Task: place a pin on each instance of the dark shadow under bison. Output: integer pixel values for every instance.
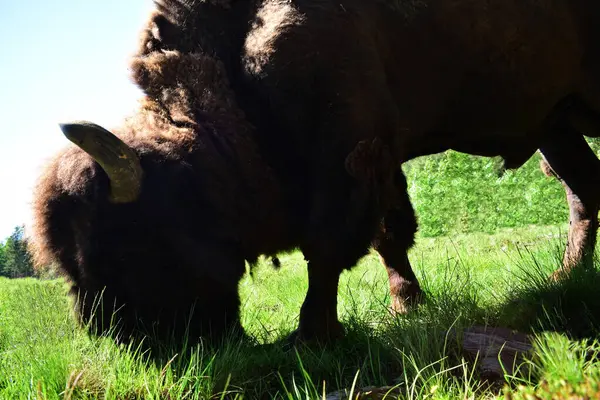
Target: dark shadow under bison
(269, 125)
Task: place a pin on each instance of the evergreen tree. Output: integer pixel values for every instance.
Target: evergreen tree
(2, 260)
(17, 260)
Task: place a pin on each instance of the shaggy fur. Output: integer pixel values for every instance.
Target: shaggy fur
(340, 94)
(206, 198)
(318, 77)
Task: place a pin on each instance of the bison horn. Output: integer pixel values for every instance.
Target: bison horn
(118, 160)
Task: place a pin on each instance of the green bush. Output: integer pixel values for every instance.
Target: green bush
(458, 193)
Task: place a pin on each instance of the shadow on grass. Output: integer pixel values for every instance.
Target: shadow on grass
(413, 351)
(276, 370)
(570, 306)
(416, 352)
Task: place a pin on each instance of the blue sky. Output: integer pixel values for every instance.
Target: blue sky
(60, 60)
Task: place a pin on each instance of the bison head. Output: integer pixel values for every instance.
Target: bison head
(129, 222)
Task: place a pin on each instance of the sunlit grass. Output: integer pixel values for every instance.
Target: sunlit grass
(470, 279)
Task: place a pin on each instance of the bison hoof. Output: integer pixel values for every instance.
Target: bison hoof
(410, 297)
(327, 333)
(557, 275)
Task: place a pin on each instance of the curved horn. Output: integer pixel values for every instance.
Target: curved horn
(118, 160)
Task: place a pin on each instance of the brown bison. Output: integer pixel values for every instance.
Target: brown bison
(321, 79)
(160, 219)
(152, 226)
(340, 94)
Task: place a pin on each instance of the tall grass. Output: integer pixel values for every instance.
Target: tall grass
(473, 272)
(469, 279)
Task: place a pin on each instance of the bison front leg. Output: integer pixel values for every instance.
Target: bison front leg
(394, 240)
(569, 158)
(344, 218)
(318, 315)
(333, 247)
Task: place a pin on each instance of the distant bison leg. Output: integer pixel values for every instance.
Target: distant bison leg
(568, 157)
(394, 240)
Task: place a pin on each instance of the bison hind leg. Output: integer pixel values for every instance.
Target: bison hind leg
(568, 157)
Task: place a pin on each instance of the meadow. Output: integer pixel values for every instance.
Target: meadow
(485, 248)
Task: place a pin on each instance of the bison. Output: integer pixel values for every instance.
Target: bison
(321, 79)
(152, 224)
(339, 94)
(157, 218)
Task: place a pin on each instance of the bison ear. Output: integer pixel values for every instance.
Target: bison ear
(118, 160)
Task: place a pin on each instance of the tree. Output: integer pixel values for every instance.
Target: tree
(2, 260)
(17, 260)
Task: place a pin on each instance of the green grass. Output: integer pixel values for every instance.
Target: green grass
(470, 279)
(502, 239)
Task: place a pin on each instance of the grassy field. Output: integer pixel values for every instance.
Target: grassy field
(486, 279)
(480, 261)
